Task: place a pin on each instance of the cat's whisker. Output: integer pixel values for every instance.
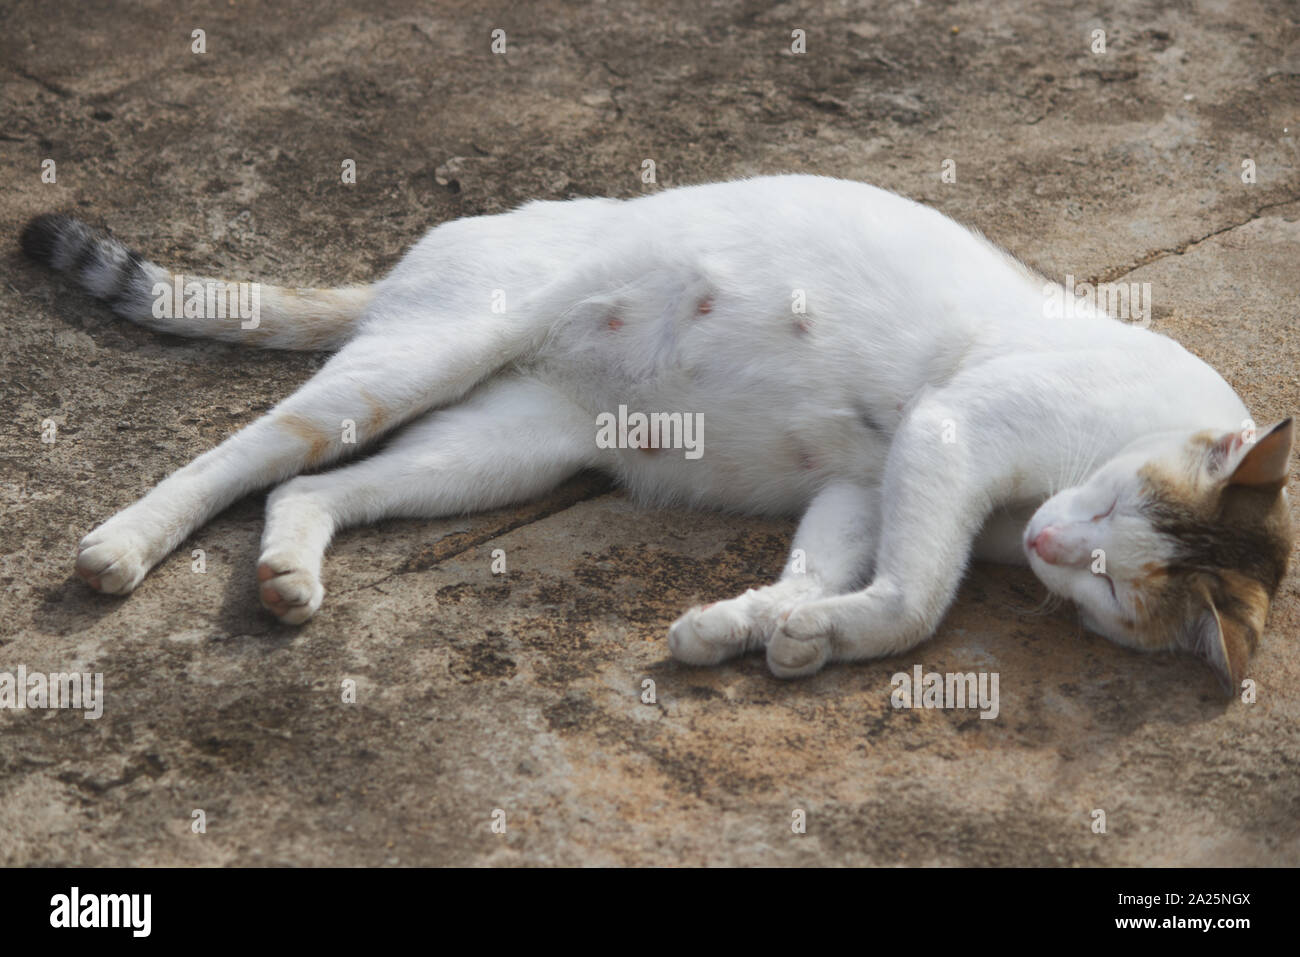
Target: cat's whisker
(1050, 603)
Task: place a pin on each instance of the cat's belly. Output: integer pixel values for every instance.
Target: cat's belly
(776, 474)
(738, 424)
(751, 446)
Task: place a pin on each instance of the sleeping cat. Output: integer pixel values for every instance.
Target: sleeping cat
(916, 393)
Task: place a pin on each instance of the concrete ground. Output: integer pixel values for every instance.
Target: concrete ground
(522, 692)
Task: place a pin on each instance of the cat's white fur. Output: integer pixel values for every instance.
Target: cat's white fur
(919, 410)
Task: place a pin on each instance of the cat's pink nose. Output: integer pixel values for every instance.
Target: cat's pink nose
(1047, 544)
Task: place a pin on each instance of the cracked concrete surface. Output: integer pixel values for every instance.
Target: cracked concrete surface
(522, 692)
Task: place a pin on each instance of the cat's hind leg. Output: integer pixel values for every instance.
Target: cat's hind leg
(833, 551)
(510, 440)
(376, 382)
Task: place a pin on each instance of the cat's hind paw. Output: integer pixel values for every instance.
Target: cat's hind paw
(113, 561)
(801, 645)
(293, 594)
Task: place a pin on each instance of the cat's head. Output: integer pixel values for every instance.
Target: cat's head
(1177, 543)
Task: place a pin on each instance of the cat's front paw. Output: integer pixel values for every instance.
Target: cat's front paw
(801, 645)
(290, 592)
(709, 634)
(114, 558)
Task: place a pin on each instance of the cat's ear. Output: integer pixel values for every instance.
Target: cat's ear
(1206, 638)
(1259, 464)
(1222, 641)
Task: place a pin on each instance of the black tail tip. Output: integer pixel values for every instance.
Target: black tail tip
(42, 236)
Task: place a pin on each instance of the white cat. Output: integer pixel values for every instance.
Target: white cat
(853, 356)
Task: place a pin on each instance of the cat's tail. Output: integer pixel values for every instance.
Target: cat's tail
(270, 317)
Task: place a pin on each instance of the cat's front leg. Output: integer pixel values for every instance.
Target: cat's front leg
(832, 553)
(944, 473)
